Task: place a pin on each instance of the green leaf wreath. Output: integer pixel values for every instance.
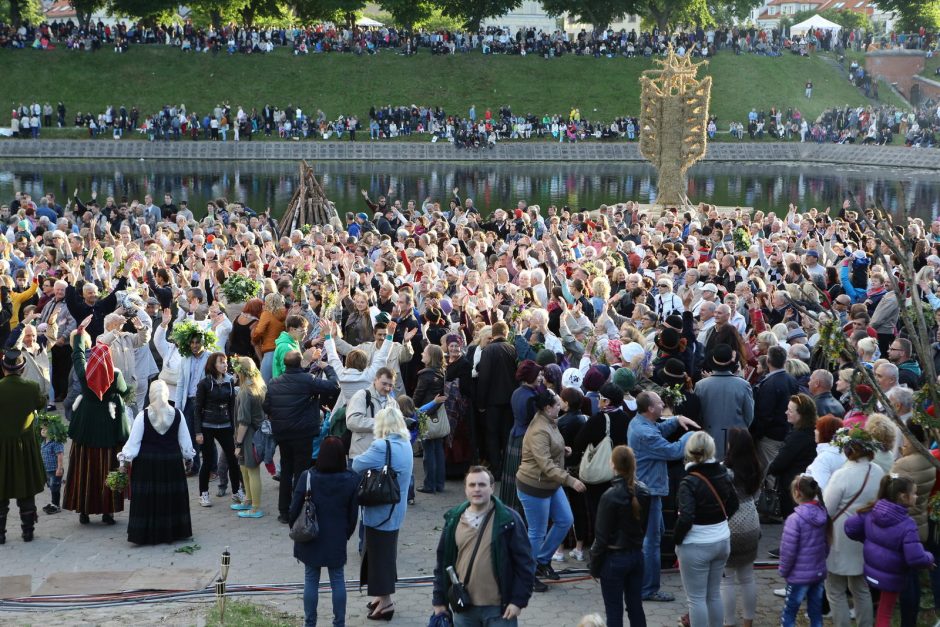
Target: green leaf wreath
(240, 289)
(185, 331)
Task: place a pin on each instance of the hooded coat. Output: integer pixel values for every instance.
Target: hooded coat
(891, 544)
(803, 545)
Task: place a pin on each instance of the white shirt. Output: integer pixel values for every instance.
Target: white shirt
(132, 446)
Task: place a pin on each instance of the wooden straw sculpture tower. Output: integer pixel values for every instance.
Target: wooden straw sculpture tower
(309, 204)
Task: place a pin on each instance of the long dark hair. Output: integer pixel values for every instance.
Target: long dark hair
(625, 466)
(741, 458)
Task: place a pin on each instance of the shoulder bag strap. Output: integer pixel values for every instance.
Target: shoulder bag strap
(476, 547)
(714, 491)
(854, 498)
(388, 453)
(307, 495)
(607, 428)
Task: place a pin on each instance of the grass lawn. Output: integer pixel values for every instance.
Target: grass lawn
(240, 613)
(150, 77)
(930, 67)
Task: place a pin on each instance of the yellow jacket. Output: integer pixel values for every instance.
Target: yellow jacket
(18, 298)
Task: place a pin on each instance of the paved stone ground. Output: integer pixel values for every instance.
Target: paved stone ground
(262, 553)
(791, 152)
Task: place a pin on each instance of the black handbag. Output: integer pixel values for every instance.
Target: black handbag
(306, 527)
(379, 486)
(768, 503)
(457, 594)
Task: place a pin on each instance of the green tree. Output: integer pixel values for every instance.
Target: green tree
(145, 10)
(598, 13)
(16, 12)
(472, 12)
(329, 10)
(84, 9)
(407, 13)
(912, 14)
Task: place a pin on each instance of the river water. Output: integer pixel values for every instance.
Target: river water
(765, 186)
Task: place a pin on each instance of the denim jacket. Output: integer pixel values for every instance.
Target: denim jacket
(653, 451)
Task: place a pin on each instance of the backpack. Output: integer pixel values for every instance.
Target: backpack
(338, 422)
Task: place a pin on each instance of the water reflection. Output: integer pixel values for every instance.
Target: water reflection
(271, 183)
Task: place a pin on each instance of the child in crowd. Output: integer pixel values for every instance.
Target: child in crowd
(52, 455)
(410, 412)
(804, 548)
(891, 543)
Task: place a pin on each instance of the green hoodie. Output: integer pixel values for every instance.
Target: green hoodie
(282, 345)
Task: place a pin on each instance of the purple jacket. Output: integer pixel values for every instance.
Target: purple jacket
(803, 545)
(892, 545)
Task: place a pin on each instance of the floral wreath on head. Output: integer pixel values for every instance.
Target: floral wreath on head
(855, 436)
(185, 331)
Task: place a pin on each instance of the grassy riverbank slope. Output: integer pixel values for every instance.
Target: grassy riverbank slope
(150, 77)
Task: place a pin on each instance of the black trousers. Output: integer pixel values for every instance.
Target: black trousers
(295, 458)
(61, 358)
(226, 439)
(498, 425)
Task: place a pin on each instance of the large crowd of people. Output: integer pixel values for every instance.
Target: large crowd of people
(596, 378)
(868, 125)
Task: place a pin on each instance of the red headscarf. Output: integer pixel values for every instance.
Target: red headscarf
(99, 371)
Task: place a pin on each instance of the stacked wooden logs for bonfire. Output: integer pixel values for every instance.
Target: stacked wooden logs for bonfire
(309, 204)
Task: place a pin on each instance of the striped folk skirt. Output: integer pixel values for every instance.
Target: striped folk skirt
(85, 490)
(507, 483)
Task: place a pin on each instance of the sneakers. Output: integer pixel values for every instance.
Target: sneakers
(240, 507)
(576, 554)
(539, 586)
(559, 556)
(222, 490)
(204, 500)
(257, 514)
(545, 571)
(660, 597)
(780, 592)
(238, 497)
(51, 509)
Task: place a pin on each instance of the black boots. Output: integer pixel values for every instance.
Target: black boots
(28, 522)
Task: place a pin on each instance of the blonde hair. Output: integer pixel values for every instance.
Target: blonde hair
(273, 302)
(388, 422)
(249, 377)
(592, 620)
(796, 367)
(699, 448)
(882, 430)
(601, 287)
(769, 338)
(868, 345)
(483, 335)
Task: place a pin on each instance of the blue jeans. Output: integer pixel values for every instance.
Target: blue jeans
(433, 464)
(267, 364)
(311, 595)
(622, 581)
(538, 511)
(813, 593)
(483, 616)
(55, 486)
(651, 556)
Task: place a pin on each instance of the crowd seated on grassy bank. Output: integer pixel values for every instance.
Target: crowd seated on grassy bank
(475, 129)
(328, 37)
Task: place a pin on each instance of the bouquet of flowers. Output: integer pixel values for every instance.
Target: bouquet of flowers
(117, 481)
(742, 239)
(305, 229)
(423, 420)
(183, 333)
(108, 254)
(300, 280)
(240, 289)
(330, 302)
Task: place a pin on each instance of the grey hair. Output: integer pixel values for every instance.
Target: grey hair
(901, 395)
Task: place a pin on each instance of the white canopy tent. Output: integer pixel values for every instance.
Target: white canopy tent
(368, 22)
(813, 24)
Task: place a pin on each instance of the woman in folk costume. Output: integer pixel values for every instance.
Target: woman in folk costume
(97, 429)
(158, 443)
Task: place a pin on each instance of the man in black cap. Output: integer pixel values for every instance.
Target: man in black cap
(727, 399)
(22, 475)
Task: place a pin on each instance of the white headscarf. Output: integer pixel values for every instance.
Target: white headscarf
(159, 412)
